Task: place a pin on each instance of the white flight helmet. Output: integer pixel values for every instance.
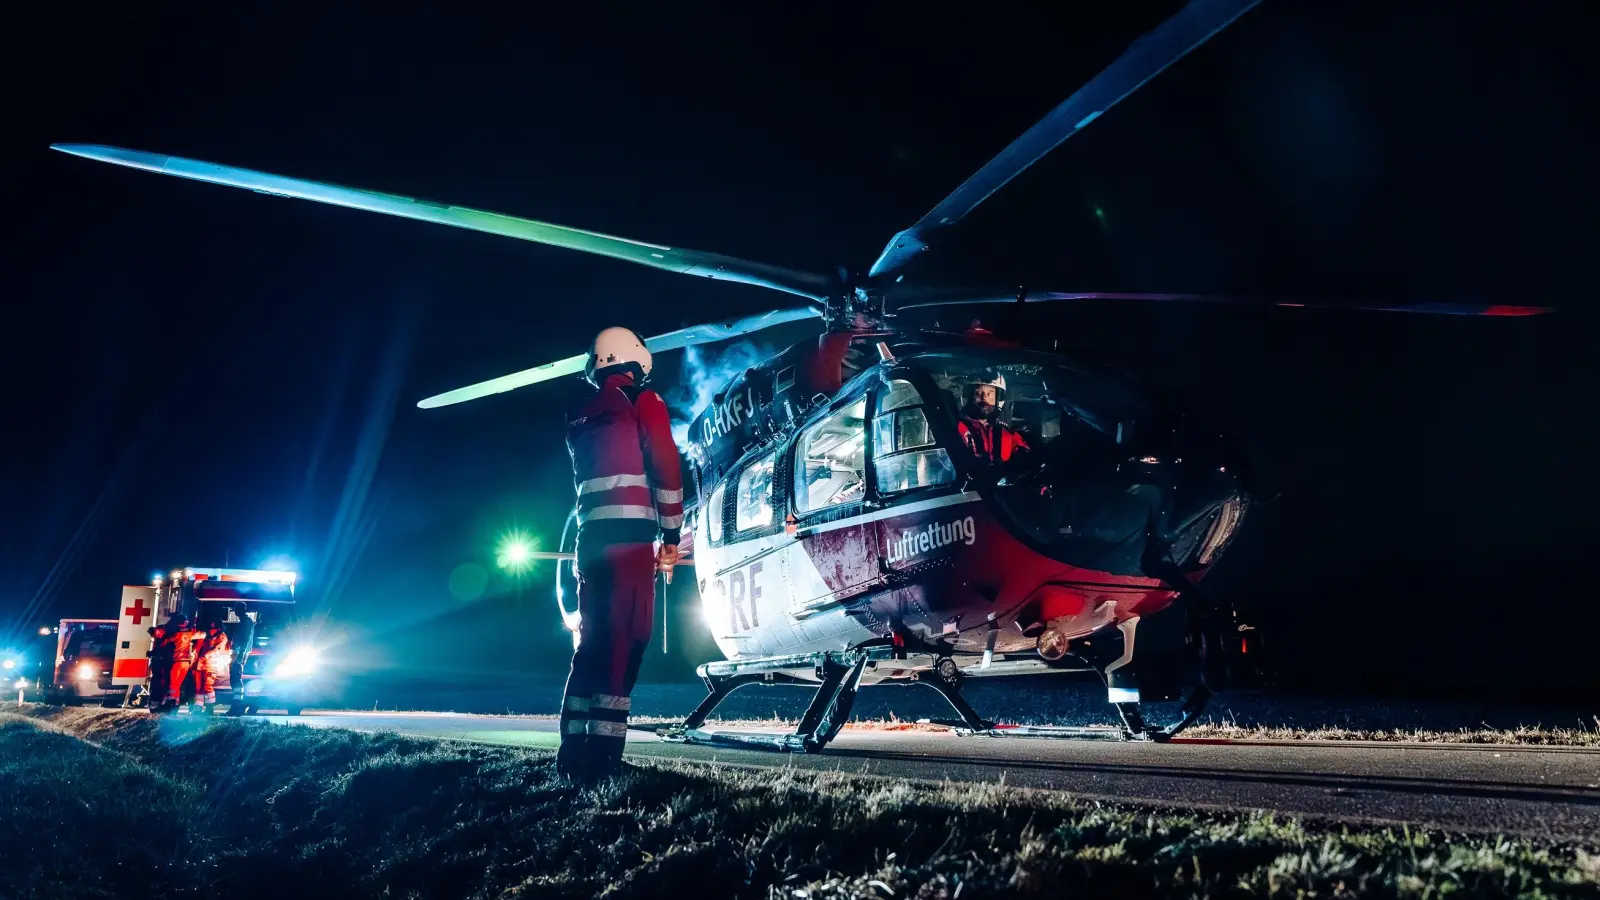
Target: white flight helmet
(990, 378)
(617, 349)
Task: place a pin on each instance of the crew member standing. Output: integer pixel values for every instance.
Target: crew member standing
(210, 660)
(989, 439)
(181, 643)
(161, 659)
(242, 640)
(630, 491)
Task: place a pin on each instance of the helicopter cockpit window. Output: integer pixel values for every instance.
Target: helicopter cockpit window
(899, 432)
(714, 515)
(900, 393)
(831, 460)
(1041, 397)
(753, 508)
(903, 430)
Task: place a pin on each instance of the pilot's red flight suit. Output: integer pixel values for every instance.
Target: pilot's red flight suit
(991, 441)
(630, 489)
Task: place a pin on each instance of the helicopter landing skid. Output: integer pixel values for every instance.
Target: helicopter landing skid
(1133, 728)
(837, 676)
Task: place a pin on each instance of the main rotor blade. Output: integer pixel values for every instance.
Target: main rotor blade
(719, 331)
(687, 262)
(661, 343)
(1148, 57)
(954, 297)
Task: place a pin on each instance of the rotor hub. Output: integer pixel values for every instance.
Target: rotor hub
(855, 308)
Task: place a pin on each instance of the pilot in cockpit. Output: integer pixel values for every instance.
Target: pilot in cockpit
(980, 427)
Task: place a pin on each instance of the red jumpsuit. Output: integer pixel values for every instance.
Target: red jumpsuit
(991, 441)
(210, 661)
(630, 490)
(183, 643)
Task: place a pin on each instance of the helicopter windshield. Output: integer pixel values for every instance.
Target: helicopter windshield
(1036, 396)
(1047, 435)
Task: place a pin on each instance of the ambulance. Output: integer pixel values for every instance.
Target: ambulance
(278, 668)
(84, 652)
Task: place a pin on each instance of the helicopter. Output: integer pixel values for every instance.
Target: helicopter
(845, 530)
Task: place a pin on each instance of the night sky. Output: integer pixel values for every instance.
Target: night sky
(199, 375)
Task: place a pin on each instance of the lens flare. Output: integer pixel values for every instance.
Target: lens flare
(515, 552)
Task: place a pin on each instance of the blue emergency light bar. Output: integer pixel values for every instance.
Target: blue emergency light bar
(253, 576)
(253, 585)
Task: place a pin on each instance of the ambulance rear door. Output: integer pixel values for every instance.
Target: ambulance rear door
(131, 665)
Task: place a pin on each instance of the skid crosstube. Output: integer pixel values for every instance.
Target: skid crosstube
(838, 680)
(837, 676)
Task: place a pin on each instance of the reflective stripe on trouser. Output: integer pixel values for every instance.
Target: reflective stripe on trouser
(616, 598)
(205, 683)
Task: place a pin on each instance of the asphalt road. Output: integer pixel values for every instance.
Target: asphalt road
(1547, 792)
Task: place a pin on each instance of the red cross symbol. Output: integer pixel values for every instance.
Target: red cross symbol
(137, 610)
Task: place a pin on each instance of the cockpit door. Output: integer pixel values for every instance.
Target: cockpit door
(906, 462)
(838, 545)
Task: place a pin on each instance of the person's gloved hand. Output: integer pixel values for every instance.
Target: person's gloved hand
(666, 558)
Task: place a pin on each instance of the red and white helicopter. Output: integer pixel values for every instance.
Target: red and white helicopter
(844, 533)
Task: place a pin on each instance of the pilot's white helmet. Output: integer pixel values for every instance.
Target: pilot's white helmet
(617, 349)
(990, 378)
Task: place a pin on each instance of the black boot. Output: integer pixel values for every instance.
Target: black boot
(572, 759)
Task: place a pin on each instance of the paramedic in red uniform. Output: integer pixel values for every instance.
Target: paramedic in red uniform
(630, 491)
(989, 439)
(211, 659)
(181, 643)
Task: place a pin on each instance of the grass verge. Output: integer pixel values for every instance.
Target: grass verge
(253, 810)
(1524, 735)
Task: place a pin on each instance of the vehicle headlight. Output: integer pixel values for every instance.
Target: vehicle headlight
(10, 664)
(297, 662)
(87, 672)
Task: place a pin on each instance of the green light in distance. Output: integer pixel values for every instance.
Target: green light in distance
(515, 552)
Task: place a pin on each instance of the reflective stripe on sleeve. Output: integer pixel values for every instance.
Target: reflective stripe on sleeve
(672, 521)
(611, 701)
(578, 704)
(579, 726)
(609, 482)
(669, 496)
(619, 511)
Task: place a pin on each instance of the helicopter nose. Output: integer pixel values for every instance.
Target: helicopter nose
(1200, 502)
